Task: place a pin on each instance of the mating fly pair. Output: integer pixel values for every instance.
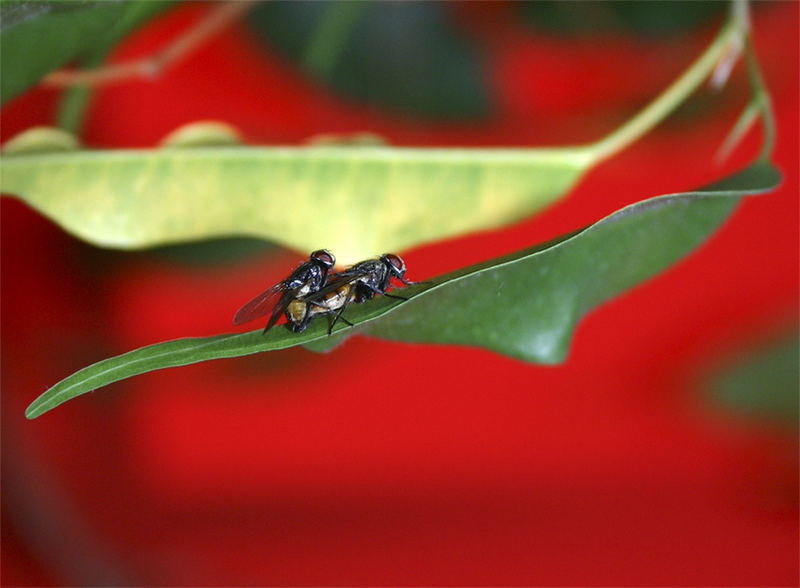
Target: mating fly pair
(308, 291)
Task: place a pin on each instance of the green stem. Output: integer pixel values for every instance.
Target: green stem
(75, 101)
(670, 99)
(761, 99)
(740, 129)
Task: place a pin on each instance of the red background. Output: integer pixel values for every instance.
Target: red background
(409, 464)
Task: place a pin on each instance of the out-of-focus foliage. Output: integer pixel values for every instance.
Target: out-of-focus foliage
(402, 55)
(654, 17)
(39, 37)
(763, 384)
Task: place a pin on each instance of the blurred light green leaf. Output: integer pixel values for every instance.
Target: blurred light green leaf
(39, 37)
(354, 200)
(357, 200)
(525, 305)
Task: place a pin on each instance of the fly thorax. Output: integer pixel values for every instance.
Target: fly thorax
(304, 289)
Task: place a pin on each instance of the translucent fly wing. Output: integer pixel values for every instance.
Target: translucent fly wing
(263, 304)
(277, 310)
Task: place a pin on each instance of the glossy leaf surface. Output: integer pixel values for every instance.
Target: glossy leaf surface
(525, 305)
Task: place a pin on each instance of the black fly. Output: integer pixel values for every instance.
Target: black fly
(307, 279)
(357, 284)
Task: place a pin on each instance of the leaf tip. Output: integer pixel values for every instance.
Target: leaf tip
(33, 411)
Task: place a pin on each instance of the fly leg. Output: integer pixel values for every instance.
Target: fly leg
(328, 311)
(331, 323)
(375, 290)
(410, 283)
(338, 316)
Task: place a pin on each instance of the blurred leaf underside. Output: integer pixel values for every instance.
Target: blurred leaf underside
(356, 201)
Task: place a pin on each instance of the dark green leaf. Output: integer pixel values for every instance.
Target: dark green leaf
(654, 17)
(524, 305)
(402, 55)
(527, 305)
(39, 37)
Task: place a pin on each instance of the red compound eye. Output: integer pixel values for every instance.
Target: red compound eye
(395, 260)
(324, 256)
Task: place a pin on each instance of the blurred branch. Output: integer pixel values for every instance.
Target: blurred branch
(216, 20)
(75, 100)
(761, 99)
(740, 14)
(758, 106)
